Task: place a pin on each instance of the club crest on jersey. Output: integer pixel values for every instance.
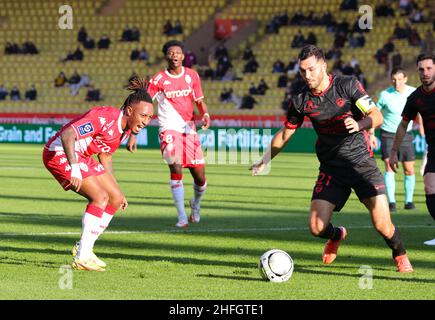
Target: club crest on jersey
(188, 79)
(85, 128)
(340, 102)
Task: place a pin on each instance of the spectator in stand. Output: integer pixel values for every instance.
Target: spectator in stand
(135, 34)
(292, 68)
(349, 5)
(220, 51)
(189, 59)
(282, 81)
(283, 18)
(262, 87)
(178, 28)
(134, 55)
(31, 94)
(15, 94)
(389, 46)
(384, 10)
(225, 95)
(168, 29)
(93, 94)
(414, 38)
(247, 53)
(311, 39)
(340, 39)
(428, 42)
(127, 34)
(298, 40)
(297, 19)
(104, 42)
(75, 78)
(143, 54)
(354, 62)
(60, 80)
(82, 35)
(248, 102)
(416, 16)
(29, 48)
(399, 32)
(77, 55)
(89, 43)
(396, 59)
(84, 82)
(252, 89)
(278, 66)
(223, 65)
(251, 66)
(3, 92)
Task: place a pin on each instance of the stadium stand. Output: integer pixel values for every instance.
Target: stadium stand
(109, 70)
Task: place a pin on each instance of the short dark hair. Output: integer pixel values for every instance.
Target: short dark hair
(425, 56)
(311, 50)
(397, 70)
(172, 43)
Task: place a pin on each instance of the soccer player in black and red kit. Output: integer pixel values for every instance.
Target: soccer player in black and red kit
(422, 101)
(341, 113)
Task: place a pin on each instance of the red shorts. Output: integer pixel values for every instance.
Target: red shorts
(57, 163)
(180, 148)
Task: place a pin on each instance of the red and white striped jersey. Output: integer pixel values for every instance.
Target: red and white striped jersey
(175, 95)
(97, 131)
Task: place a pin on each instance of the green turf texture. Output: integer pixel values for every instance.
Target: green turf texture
(242, 217)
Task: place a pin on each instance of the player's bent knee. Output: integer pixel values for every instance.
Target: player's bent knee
(100, 199)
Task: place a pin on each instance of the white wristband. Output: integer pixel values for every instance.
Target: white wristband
(75, 171)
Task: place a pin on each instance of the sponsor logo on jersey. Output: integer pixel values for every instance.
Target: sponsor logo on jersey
(178, 93)
(85, 128)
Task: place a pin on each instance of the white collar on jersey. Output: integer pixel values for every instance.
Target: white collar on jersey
(120, 122)
(175, 76)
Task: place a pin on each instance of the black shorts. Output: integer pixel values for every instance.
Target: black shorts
(334, 184)
(430, 164)
(406, 150)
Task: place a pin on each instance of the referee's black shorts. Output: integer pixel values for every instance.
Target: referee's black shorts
(406, 150)
(334, 184)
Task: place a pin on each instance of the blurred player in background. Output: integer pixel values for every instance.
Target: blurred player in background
(421, 101)
(176, 90)
(341, 112)
(391, 103)
(68, 156)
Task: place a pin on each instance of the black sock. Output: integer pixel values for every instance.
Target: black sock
(331, 233)
(430, 203)
(396, 244)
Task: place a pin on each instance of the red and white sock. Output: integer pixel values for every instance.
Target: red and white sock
(198, 193)
(177, 190)
(90, 231)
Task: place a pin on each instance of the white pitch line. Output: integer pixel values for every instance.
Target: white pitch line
(199, 231)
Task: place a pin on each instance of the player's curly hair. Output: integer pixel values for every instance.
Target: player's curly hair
(139, 87)
(172, 43)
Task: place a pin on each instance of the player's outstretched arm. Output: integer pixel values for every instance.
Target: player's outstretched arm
(68, 139)
(132, 143)
(279, 141)
(398, 138)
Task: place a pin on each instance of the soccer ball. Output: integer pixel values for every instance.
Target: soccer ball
(276, 265)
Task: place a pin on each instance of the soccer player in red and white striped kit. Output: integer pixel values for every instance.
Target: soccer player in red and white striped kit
(177, 89)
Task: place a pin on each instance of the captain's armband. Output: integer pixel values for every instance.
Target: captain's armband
(365, 104)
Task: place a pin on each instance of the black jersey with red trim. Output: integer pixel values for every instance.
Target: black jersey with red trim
(327, 111)
(423, 102)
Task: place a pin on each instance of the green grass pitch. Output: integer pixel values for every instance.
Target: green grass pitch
(242, 217)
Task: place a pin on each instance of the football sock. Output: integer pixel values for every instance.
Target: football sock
(107, 216)
(430, 203)
(198, 192)
(177, 189)
(331, 233)
(396, 244)
(90, 231)
(409, 188)
(390, 184)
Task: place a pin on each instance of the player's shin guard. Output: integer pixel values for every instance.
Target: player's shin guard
(90, 231)
(177, 189)
(430, 203)
(396, 244)
(331, 233)
(198, 193)
(390, 184)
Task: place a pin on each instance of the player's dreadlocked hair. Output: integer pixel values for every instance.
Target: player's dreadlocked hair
(139, 93)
